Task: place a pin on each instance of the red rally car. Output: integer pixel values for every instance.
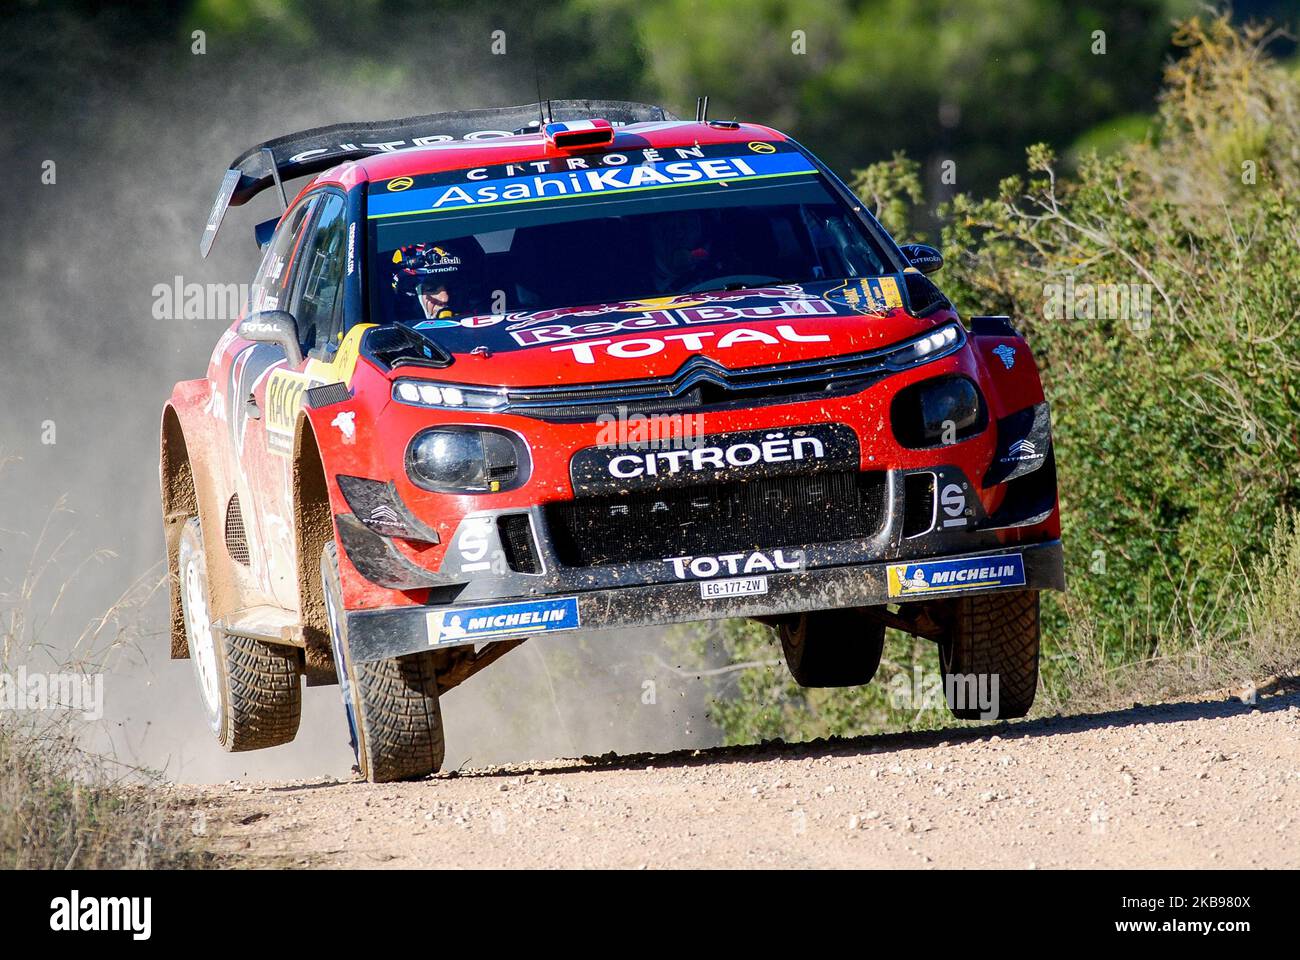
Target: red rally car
(502, 376)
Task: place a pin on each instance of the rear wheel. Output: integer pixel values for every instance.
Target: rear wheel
(991, 636)
(832, 648)
(250, 689)
(392, 705)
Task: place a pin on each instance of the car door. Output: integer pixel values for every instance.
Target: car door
(313, 295)
(247, 368)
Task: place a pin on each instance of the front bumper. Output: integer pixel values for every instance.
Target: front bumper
(381, 634)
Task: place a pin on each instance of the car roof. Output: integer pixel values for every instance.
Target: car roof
(523, 148)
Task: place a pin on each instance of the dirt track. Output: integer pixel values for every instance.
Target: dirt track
(1210, 782)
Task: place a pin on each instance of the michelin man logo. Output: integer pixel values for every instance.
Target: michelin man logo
(915, 580)
(1007, 354)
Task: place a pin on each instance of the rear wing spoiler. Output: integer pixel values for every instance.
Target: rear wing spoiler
(313, 151)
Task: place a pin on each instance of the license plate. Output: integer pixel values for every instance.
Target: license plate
(735, 587)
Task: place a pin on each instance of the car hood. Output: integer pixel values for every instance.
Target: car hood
(652, 338)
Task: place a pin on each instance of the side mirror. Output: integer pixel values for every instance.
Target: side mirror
(922, 256)
(264, 231)
(274, 326)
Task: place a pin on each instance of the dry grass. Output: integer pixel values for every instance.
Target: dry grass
(62, 806)
(1247, 636)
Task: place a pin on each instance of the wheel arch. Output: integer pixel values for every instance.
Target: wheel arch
(313, 526)
(180, 502)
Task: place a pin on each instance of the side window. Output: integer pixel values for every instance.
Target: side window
(271, 285)
(319, 302)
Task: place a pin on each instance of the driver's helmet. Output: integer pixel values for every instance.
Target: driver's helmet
(441, 279)
(681, 247)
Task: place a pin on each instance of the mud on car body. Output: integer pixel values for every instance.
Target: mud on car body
(500, 378)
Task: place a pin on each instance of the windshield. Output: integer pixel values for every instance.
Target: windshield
(485, 243)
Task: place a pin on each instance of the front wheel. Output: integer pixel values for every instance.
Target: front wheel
(990, 655)
(392, 705)
(250, 689)
(832, 648)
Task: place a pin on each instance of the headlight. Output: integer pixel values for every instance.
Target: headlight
(937, 343)
(936, 412)
(466, 460)
(426, 393)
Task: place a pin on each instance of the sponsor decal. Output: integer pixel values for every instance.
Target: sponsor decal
(743, 455)
(870, 295)
(787, 291)
(344, 364)
(660, 319)
(284, 393)
(733, 587)
(502, 620)
(947, 576)
(399, 184)
(473, 543)
(953, 501)
(757, 561)
(636, 349)
(1006, 353)
(761, 146)
(615, 174)
(1022, 451)
(774, 448)
(346, 424)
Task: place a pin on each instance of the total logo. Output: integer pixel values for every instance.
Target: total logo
(773, 448)
(635, 349)
(732, 564)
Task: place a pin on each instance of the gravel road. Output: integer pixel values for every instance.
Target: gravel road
(1206, 782)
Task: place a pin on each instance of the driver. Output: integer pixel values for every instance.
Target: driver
(435, 299)
(440, 278)
(680, 250)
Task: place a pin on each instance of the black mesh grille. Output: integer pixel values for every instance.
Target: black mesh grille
(236, 539)
(517, 542)
(918, 510)
(327, 394)
(922, 295)
(717, 518)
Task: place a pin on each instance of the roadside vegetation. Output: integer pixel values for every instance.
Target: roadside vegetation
(63, 806)
(1176, 426)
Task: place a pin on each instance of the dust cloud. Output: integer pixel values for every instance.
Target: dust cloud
(138, 151)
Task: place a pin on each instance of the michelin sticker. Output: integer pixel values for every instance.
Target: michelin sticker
(495, 622)
(947, 576)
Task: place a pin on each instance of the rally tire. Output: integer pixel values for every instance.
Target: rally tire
(832, 648)
(994, 634)
(251, 691)
(392, 707)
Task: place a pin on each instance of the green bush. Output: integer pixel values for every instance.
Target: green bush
(1176, 427)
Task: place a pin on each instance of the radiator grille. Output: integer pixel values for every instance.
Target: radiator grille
(236, 538)
(718, 518)
(517, 542)
(918, 498)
